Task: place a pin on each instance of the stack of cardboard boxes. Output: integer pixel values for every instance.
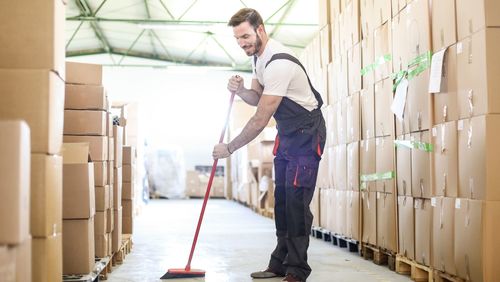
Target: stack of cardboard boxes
(32, 89)
(431, 198)
(197, 182)
(116, 234)
(15, 239)
(128, 177)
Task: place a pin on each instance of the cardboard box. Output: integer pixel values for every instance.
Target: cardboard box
(384, 118)
(128, 208)
(367, 102)
(444, 25)
(315, 203)
(127, 225)
(479, 158)
(86, 97)
(340, 212)
(399, 42)
(353, 118)
(14, 182)
(382, 12)
(352, 18)
(128, 191)
(418, 28)
(7, 265)
(110, 244)
(421, 167)
(47, 259)
(102, 198)
(46, 195)
(98, 145)
(446, 102)
(128, 172)
(84, 122)
(353, 228)
(109, 125)
(323, 215)
(79, 73)
(369, 215)
(332, 138)
(110, 220)
(443, 234)
(101, 245)
(334, 9)
(117, 188)
(403, 167)
(324, 12)
(21, 253)
(397, 6)
(384, 163)
(478, 66)
(331, 170)
(342, 82)
(367, 18)
(474, 16)
(342, 121)
(476, 246)
(100, 223)
(36, 96)
(340, 167)
(325, 41)
(192, 184)
(118, 139)
(386, 221)
(367, 60)
(39, 42)
(353, 166)
(78, 182)
(78, 246)
(335, 37)
(367, 163)
(100, 173)
(382, 50)
(445, 166)
(129, 155)
(406, 227)
(418, 102)
(330, 205)
(423, 227)
(111, 149)
(354, 69)
(117, 229)
(111, 179)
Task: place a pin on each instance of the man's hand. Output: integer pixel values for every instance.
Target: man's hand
(221, 151)
(235, 84)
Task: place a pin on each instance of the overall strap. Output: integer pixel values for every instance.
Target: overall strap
(285, 56)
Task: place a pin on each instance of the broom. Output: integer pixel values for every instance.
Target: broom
(188, 272)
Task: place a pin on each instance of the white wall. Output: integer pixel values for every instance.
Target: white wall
(181, 108)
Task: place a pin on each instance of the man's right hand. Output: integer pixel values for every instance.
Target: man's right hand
(235, 83)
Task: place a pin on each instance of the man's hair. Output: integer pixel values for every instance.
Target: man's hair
(246, 15)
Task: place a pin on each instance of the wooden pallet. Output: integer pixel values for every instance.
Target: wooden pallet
(101, 270)
(107, 267)
(379, 255)
(125, 249)
(445, 277)
(417, 271)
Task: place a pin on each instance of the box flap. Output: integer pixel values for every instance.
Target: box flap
(76, 153)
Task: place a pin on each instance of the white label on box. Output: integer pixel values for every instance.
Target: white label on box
(433, 202)
(378, 195)
(460, 48)
(457, 203)
(436, 75)
(399, 103)
(460, 125)
(434, 132)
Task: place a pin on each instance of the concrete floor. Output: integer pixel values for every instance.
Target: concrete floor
(233, 242)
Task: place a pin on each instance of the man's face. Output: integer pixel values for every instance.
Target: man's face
(247, 38)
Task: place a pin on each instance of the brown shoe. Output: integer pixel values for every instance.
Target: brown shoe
(268, 273)
(292, 278)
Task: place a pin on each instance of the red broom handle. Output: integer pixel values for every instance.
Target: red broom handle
(209, 186)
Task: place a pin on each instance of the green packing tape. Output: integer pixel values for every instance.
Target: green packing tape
(427, 147)
(378, 62)
(417, 66)
(378, 176)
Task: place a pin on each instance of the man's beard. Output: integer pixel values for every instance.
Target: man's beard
(257, 44)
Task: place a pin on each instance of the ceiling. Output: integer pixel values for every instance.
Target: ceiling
(175, 32)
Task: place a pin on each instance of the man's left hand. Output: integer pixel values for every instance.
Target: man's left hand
(221, 151)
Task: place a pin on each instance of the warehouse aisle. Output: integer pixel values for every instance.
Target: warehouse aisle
(234, 241)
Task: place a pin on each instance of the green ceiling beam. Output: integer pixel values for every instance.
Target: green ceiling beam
(150, 33)
(282, 18)
(73, 35)
(85, 52)
(166, 9)
(170, 22)
(187, 10)
(132, 46)
(99, 8)
(171, 58)
(225, 50)
(196, 48)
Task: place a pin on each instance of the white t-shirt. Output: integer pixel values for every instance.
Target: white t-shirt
(283, 77)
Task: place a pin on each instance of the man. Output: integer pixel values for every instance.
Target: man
(281, 88)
